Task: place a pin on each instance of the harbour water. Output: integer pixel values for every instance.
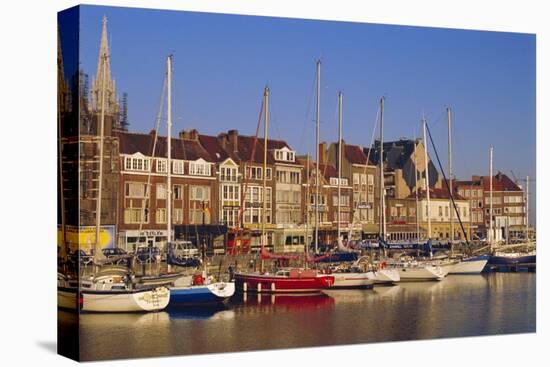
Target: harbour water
(458, 306)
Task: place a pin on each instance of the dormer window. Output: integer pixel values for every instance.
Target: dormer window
(334, 181)
(137, 162)
(177, 167)
(161, 165)
(285, 154)
(199, 168)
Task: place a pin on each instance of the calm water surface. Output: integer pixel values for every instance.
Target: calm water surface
(457, 306)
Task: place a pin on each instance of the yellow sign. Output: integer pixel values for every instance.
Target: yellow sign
(84, 237)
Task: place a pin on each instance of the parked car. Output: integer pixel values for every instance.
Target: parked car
(114, 254)
(80, 256)
(147, 254)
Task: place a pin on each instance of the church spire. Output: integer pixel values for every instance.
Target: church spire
(111, 101)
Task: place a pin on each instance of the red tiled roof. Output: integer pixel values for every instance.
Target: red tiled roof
(501, 182)
(214, 147)
(131, 143)
(355, 155)
(328, 171)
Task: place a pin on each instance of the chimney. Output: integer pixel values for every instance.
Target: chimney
(194, 135)
(233, 137)
(184, 135)
(323, 152)
(222, 138)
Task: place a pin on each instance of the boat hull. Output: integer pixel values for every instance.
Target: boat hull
(352, 281)
(124, 301)
(201, 294)
(67, 298)
(417, 274)
(386, 276)
(279, 284)
(513, 260)
(468, 267)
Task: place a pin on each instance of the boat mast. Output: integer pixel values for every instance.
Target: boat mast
(318, 122)
(451, 211)
(306, 237)
(339, 159)
(527, 209)
(427, 178)
(169, 153)
(97, 248)
(63, 247)
(264, 193)
(490, 237)
(382, 229)
(416, 194)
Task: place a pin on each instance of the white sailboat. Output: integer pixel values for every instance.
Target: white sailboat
(413, 270)
(113, 288)
(201, 289)
(348, 277)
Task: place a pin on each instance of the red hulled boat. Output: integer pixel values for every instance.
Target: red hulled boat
(293, 280)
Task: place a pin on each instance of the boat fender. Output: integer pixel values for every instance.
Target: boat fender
(259, 287)
(273, 287)
(383, 265)
(245, 286)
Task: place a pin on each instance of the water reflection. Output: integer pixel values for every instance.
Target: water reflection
(457, 306)
(201, 313)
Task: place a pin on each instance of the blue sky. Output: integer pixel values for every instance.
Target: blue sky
(222, 63)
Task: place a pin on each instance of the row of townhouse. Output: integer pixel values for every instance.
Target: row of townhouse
(509, 206)
(217, 183)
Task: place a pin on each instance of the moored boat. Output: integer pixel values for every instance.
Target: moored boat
(294, 280)
(198, 291)
(414, 272)
(353, 280)
(472, 265)
(516, 258)
(111, 290)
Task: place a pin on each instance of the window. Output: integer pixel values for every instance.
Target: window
(199, 169)
(343, 198)
(200, 193)
(135, 190)
(161, 165)
(177, 167)
(160, 216)
(228, 174)
(284, 155)
(178, 192)
(136, 163)
(268, 173)
(161, 191)
(177, 216)
(135, 215)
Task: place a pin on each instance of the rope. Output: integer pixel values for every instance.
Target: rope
(447, 185)
(153, 148)
(240, 219)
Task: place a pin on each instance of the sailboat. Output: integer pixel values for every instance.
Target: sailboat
(114, 288)
(500, 256)
(453, 264)
(346, 277)
(201, 289)
(410, 270)
(286, 280)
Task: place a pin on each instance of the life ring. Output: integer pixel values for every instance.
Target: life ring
(383, 265)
